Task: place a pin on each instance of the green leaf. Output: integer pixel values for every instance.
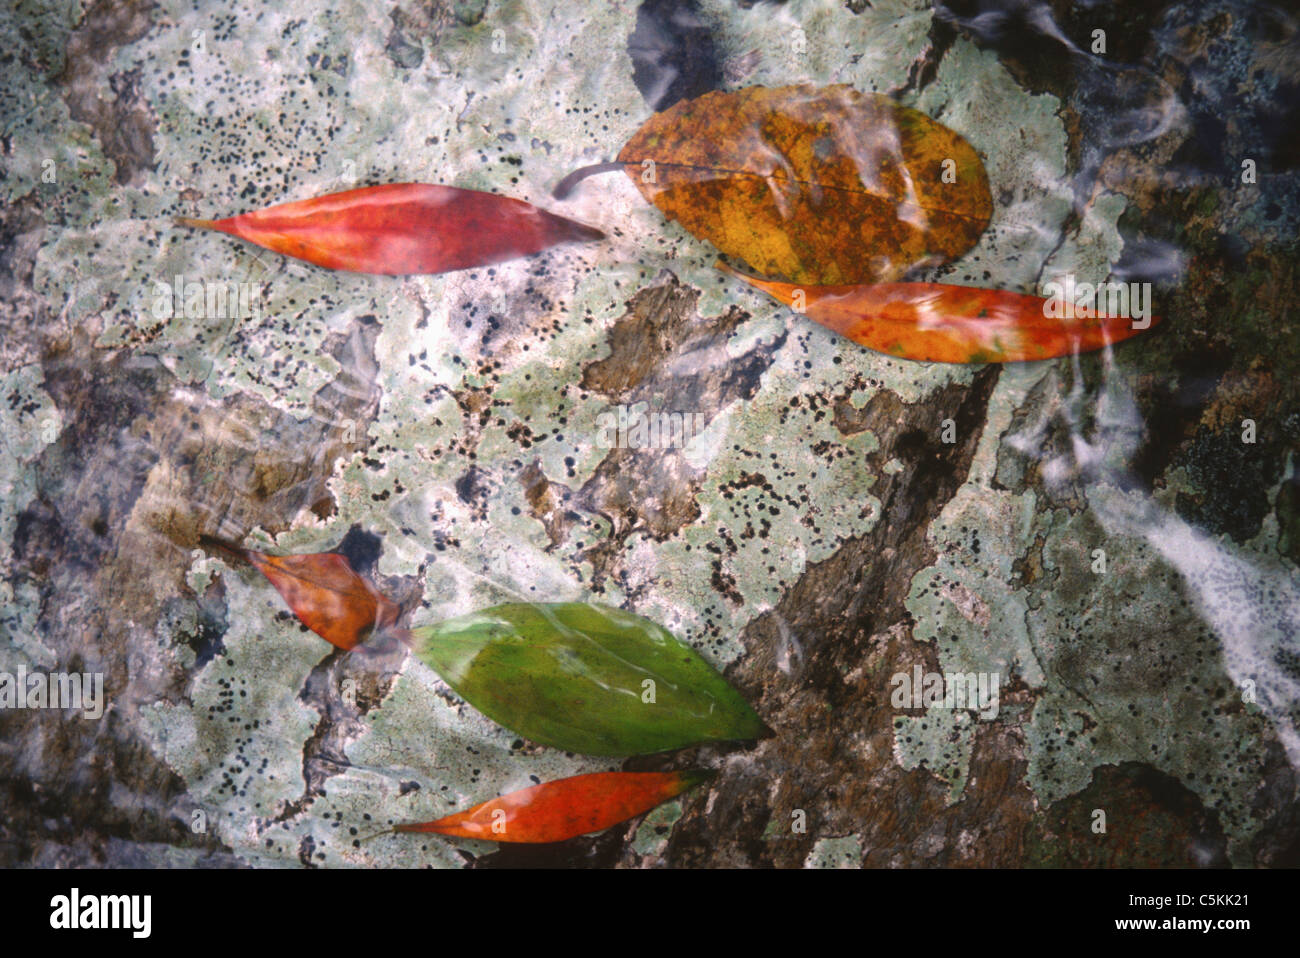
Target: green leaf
(585, 678)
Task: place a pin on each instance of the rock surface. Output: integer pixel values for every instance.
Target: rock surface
(1096, 533)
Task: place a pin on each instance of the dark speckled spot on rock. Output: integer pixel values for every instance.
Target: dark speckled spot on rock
(673, 53)
(362, 550)
(1232, 478)
(402, 51)
(470, 12)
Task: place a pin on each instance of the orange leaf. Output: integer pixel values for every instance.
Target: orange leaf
(403, 228)
(563, 809)
(324, 592)
(939, 323)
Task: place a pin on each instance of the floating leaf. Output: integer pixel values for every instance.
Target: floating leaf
(940, 323)
(817, 185)
(585, 678)
(403, 228)
(563, 809)
(323, 591)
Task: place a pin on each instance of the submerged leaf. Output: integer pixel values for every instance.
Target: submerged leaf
(940, 323)
(563, 809)
(323, 591)
(585, 678)
(818, 185)
(403, 228)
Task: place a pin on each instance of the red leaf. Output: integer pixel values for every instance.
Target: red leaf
(403, 228)
(566, 808)
(324, 593)
(939, 323)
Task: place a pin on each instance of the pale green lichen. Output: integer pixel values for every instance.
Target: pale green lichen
(806, 41)
(45, 151)
(238, 741)
(940, 742)
(845, 852)
(651, 838)
(29, 421)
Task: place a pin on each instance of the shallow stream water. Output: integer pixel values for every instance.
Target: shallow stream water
(1111, 538)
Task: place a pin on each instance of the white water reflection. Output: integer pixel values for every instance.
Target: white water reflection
(1250, 599)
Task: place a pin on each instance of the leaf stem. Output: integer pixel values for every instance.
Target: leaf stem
(566, 185)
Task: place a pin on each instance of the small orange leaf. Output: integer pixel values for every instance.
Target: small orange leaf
(563, 809)
(940, 323)
(324, 592)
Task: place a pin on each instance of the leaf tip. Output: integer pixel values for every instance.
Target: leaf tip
(223, 547)
(387, 831)
(584, 233)
(692, 777)
(571, 231)
(723, 266)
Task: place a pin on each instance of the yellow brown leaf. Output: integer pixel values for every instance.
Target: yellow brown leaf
(816, 185)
